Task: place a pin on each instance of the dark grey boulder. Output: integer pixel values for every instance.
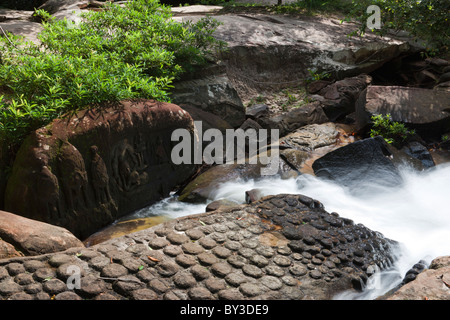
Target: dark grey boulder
(214, 94)
(256, 111)
(364, 164)
(419, 151)
(339, 97)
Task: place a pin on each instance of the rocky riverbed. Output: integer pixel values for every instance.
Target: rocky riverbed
(280, 247)
(87, 173)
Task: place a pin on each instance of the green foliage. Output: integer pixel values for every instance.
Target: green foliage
(393, 132)
(315, 76)
(427, 20)
(135, 51)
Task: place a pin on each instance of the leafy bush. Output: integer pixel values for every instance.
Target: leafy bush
(135, 51)
(393, 132)
(314, 75)
(425, 19)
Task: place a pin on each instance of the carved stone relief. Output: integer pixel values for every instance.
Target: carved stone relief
(100, 178)
(74, 179)
(85, 172)
(128, 166)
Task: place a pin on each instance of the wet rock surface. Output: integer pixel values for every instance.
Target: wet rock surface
(279, 247)
(364, 164)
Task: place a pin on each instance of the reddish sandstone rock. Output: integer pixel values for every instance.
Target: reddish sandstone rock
(7, 251)
(431, 284)
(32, 237)
(84, 172)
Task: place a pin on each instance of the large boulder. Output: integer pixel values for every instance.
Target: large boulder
(85, 171)
(29, 30)
(32, 237)
(425, 110)
(214, 94)
(204, 187)
(193, 9)
(311, 137)
(365, 164)
(284, 247)
(295, 118)
(338, 98)
(268, 52)
(417, 150)
(7, 251)
(279, 247)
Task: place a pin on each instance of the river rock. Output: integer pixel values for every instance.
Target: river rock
(272, 51)
(7, 251)
(371, 162)
(220, 204)
(339, 97)
(33, 237)
(53, 6)
(253, 195)
(417, 150)
(208, 119)
(412, 273)
(288, 122)
(430, 284)
(214, 94)
(444, 86)
(11, 14)
(311, 137)
(256, 111)
(194, 9)
(299, 145)
(425, 110)
(308, 143)
(283, 247)
(121, 228)
(86, 171)
(206, 184)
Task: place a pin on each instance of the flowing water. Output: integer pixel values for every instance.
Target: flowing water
(416, 214)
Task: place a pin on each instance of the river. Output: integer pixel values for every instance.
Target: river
(416, 214)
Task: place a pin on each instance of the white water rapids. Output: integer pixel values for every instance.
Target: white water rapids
(416, 214)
